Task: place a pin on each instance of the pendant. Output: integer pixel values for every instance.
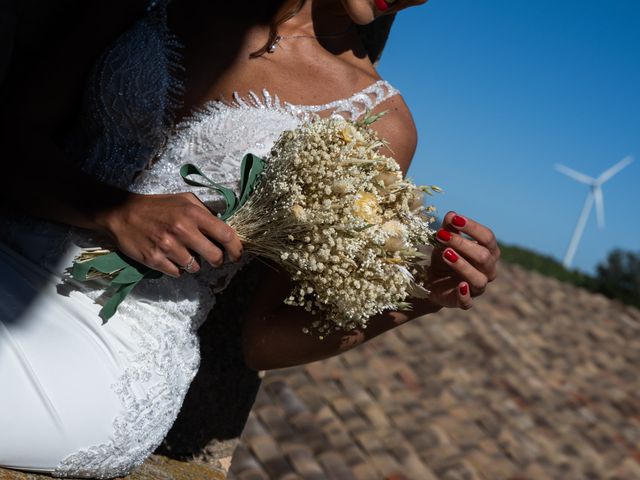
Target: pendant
(272, 47)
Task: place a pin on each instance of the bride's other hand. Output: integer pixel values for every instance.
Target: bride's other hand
(464, 262)
(165, 231)
(272, 333)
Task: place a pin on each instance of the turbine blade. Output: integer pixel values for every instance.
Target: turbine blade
(597, 195)
(570, 172)
(610, 172)
(577, 233)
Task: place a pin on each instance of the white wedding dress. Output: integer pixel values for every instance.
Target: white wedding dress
(78, 397)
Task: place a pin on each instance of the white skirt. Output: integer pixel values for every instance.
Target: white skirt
(78, 397)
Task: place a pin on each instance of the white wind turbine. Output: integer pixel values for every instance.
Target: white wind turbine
(595, 193)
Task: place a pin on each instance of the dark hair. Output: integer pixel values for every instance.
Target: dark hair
(374, 36)
(287, 13)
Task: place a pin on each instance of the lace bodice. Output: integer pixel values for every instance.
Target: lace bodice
(220, 134)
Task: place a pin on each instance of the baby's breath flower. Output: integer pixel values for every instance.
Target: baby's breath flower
(396, 235)
(387, 179)
(416, 200)
(298, 212)
(366, 207)
(349, 133)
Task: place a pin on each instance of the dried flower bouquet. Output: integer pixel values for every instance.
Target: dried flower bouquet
(338, 216)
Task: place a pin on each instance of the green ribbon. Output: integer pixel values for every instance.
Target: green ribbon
(250, 170)
(128, 273)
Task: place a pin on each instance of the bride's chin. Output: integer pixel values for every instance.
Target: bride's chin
(362, 12)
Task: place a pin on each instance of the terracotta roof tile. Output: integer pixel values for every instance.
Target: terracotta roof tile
(539, 380)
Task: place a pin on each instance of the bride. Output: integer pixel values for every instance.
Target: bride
(192, 81)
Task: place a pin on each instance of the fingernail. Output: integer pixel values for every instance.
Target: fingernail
(450, 255)
(458, 221)
(464, 289)
(444, 235)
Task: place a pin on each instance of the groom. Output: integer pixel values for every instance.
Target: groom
(7, 30)
(26, 26)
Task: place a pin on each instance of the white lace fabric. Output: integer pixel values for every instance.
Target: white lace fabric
(130, 99)
(217, 137)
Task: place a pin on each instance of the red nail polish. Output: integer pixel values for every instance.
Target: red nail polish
(444, 235)
(458, 221)
(464, 289)
(451, 256)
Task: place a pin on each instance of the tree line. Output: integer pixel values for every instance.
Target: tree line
(617, 276)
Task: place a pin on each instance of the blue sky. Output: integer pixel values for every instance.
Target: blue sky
(504, 89)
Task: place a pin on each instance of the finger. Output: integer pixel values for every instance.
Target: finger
(185, 261)
(477, 254)
(217, 230)
(204, 247)
(198, 231)
(442, 285)
(483, 235)
(474, 277)
(465, 301)
(152, 257)
(192, 198)
(170, 248)
(164, 265)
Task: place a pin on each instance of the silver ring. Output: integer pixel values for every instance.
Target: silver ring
(187, 268)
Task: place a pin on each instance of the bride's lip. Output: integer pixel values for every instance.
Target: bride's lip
(382, 5)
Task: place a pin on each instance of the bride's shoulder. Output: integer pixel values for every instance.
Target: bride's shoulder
(398, 128)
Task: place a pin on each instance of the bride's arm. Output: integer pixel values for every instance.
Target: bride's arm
(273, 336)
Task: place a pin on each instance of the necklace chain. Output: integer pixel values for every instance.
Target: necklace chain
(279, 38)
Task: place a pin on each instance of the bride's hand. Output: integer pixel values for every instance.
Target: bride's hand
(163, 232)
(461, 267)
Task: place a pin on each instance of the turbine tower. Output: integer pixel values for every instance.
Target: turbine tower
(595, 194)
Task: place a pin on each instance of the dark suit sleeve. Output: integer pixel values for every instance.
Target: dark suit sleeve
(7, 33)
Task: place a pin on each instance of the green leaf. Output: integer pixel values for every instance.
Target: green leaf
(369, 118)
(107, 264)
(128, 275)
(109, 308)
